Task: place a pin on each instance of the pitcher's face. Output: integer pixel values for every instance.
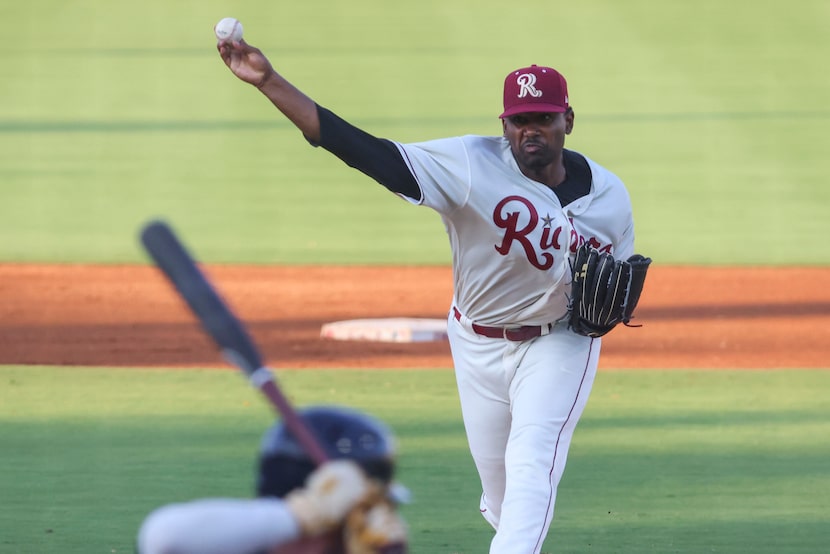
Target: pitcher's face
(537, 138)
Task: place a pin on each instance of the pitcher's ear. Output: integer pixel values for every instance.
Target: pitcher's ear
(569, 120)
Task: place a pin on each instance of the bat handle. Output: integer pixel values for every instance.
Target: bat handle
(263, 379)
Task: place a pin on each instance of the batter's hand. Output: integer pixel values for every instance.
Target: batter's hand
(245, 61)
(330, 493)
(375, 527)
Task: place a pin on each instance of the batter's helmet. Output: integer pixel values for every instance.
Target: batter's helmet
(342, 432)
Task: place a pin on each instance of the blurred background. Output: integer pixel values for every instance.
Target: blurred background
(713, 113)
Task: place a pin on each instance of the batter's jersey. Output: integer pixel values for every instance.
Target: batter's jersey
(218, 526)
(512, 240)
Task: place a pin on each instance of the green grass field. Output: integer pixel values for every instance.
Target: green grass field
(713, 113)
(674, 461)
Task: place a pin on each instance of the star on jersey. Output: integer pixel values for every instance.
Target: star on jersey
(548, 220)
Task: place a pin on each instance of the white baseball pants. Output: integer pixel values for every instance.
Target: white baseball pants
(520, 402)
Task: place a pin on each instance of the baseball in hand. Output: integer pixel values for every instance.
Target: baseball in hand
(228, 29)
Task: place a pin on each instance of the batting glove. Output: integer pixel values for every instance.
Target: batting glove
(375, 527)
(329, 495)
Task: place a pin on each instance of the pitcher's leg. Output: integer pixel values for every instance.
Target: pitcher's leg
(548, 394)
(482, 390)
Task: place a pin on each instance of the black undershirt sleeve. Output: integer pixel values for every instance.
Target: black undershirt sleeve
(378, 158)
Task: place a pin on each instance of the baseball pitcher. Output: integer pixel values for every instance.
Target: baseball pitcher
(517, 208)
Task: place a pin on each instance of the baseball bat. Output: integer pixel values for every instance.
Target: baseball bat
(220, 323)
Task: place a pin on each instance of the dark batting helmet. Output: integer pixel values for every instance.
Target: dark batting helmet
(343, 433)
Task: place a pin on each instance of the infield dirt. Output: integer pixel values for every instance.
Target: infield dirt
(129, 316)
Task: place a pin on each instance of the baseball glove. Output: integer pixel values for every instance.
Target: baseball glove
(605, 291)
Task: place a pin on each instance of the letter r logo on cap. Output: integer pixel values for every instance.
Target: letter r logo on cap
(527, 82)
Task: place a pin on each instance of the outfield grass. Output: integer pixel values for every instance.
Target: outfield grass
(674, 461)
(714, 113)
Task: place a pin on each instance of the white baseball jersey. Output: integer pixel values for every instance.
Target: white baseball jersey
(511, 238)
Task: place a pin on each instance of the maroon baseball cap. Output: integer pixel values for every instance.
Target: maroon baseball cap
(534, 89)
